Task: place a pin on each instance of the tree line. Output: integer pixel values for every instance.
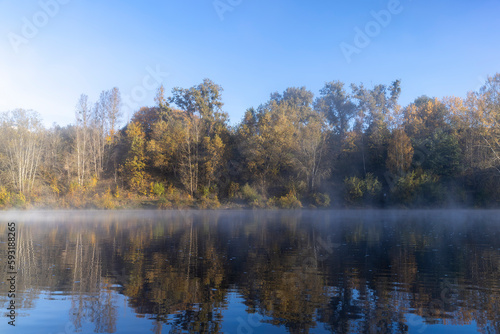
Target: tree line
(349, 146)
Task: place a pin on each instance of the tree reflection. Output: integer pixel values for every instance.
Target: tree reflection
(300, 271)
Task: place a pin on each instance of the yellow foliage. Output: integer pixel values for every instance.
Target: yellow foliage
(170, 189)
(93, 182)
(5, 197)
(105, 201)
(117, 192)
(399, 152)
(209, 203)
(289, 201)
(54, 186)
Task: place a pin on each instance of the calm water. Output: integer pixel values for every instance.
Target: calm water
(254, 272)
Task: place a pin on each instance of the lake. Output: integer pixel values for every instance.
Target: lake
(252, 272)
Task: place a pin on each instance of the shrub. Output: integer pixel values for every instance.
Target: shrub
(372, 189)
(353, 190)
(357, 190)
(321, 200)
(233, 189)
(4, 197)
(74, 188)
(372, 185)
(171, 189)
(417, 188)
(209, 203)
(105, 201)
(164, 203)
(204, 191)
(76, 195)
(18, 200)
(157, 189)
(180, 200)
(289, 201)
(250, 194)
(117, 193)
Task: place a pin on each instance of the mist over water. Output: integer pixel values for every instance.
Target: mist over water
(248, 271)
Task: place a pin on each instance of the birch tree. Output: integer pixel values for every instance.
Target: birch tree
(22, 146)
(83, 119)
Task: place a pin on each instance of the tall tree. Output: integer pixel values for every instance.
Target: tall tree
(205, 118)
(399, 153)
(22, 145)
(135, 164)
(312, 151)
(374, 106)
(335, 103)
(489, 103)
(83, 119)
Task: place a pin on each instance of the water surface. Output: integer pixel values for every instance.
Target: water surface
(254, 272)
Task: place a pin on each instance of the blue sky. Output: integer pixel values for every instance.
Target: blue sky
(250, 47)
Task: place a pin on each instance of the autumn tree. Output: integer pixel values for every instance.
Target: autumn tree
(212, 164)
(134, 168)
(21, 145)
(293, 146)
(423, 117)
(204, 118)
(284, 143)
(373, 107)
(58, 161)
(400, 150)
(267, 143)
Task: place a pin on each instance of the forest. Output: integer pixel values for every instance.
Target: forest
(350, 146)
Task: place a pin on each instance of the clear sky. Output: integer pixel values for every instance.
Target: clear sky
(51, 51)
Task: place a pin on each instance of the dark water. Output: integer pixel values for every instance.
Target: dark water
(254, 272)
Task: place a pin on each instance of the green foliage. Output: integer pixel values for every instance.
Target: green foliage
(251, 195)
(157, 189)
(321, 200)
(486, 190)
(444, 155)
(233, 189)
(418, 188)
(358, 191)
(353, 190)
(372, 186)
(204, 191)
